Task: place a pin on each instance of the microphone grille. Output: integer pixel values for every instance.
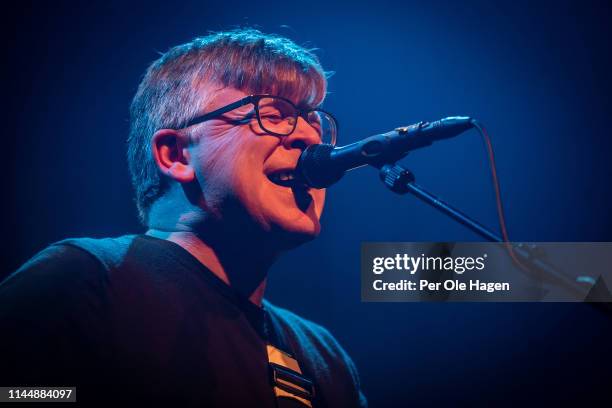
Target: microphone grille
(317, 168)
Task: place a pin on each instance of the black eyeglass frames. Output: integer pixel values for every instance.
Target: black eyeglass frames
(278, 116)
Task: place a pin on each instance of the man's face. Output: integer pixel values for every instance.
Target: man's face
(238, 167)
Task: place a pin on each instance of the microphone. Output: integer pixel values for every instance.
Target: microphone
(322, 165)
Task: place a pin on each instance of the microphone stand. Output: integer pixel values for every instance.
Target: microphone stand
(402, 181)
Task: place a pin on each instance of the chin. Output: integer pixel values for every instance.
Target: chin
(290, 217)
(292, 233)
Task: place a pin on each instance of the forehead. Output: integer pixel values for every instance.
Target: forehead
(216, 96)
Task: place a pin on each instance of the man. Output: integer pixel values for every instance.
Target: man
(178, 315)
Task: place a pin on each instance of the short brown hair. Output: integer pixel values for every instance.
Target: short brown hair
(245, 59)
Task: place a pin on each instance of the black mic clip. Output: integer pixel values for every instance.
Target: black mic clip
(396, 178)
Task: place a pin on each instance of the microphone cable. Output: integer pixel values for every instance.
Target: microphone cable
(498, 199)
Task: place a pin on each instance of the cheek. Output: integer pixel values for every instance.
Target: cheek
(248, 161)
(238, 171)
(217, 156)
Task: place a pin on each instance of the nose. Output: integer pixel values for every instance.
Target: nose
(303, 136)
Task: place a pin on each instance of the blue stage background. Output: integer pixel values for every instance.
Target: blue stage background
(535, 73)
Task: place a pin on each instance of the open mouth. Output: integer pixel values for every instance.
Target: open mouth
(290, 179)
(287, 178)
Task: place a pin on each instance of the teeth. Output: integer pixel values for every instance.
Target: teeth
(285, 176)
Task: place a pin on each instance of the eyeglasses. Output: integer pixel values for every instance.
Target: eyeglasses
(278, 116)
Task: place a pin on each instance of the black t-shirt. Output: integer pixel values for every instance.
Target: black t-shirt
(139, 319)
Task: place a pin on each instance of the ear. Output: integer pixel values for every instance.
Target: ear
(171, 155)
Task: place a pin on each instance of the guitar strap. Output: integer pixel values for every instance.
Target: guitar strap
(291, 387)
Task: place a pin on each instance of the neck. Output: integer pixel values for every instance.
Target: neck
(239, 263)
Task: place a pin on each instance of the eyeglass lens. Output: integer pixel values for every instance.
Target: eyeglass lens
(280, 117)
